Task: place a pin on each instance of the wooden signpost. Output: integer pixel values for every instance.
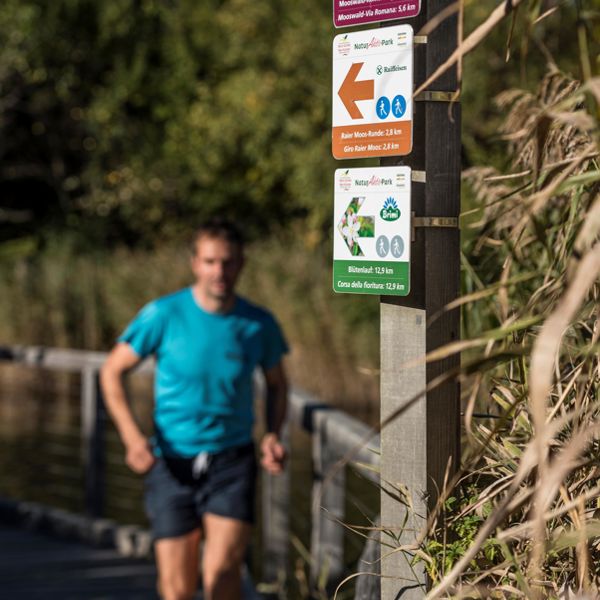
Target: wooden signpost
(422, 443)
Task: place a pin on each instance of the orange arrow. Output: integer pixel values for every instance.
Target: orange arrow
(351, 91)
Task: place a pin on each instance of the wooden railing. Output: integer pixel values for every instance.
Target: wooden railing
(336, 437)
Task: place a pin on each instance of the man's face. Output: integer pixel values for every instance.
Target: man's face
(217, 264)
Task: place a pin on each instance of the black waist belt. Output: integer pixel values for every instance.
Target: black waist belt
(193, 468)
(228, 453)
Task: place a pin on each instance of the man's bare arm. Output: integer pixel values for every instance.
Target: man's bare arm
(273, 452)
(138, 454)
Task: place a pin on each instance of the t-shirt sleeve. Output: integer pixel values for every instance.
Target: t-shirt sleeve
(275, 345)
(144, 333)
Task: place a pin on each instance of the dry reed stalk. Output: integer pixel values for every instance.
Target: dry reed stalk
(560, 403)
(472, 41)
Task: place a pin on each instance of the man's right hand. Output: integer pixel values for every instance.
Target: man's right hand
(139, 457)
(273, 454)
(138, 453)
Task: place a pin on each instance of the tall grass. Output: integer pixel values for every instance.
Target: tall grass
(69, 299)
(520, 518)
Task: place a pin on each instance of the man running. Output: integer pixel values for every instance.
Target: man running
(200, 466)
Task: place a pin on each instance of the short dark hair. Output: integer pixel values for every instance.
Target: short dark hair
(219, 228)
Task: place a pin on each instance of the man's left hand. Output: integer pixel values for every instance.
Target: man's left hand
(273, 454)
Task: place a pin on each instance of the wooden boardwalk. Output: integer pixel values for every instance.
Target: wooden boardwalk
(34, 565)
(308, 506)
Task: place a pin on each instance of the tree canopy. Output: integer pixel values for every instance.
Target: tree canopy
(124, 120)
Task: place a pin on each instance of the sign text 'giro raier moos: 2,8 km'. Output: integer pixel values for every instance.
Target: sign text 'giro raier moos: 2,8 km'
(358, 12)
(372, 93)
(372, 231)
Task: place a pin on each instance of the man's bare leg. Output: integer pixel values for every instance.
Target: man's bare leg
(225, 544)
(177, 561)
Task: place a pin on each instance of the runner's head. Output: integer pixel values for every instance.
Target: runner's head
(217, 260)
(218, 228)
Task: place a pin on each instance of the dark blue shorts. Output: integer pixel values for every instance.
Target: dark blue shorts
(176, 498)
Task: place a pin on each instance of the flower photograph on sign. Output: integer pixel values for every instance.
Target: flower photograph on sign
(353, 227)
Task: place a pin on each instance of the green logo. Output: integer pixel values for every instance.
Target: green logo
(390, 210)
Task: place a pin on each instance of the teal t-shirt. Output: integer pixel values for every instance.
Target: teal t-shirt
(203, 384)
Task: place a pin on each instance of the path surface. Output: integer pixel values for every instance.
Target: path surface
(35, 566)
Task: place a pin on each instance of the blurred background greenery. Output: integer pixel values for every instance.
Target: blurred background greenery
(125, 122)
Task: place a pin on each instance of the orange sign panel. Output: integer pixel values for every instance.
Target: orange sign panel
(372, 93)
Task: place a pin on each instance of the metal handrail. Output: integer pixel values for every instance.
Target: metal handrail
(337, 439)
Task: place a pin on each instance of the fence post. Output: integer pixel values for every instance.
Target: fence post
(275, 519)
(420, 445)
(92, 441)
(328, 506)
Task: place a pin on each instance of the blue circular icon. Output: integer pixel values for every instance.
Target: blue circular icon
(383, 107)
(399, 105)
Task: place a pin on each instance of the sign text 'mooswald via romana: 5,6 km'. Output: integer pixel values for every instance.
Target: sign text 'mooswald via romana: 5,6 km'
(372, 231)
(358, 12)
(372, 105)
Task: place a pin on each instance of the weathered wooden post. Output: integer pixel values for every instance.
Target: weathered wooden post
(275, 504)
(380, 249)
(92, 441)
(418, 446)
(275, 500)
(328, 503)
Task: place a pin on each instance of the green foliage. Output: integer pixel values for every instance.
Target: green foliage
(126, 121)
(457, 533)
(129, 120)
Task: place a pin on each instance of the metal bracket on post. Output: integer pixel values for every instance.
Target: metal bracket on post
(447, 222)
(418, 176)
(437, 96)
(420, 39)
